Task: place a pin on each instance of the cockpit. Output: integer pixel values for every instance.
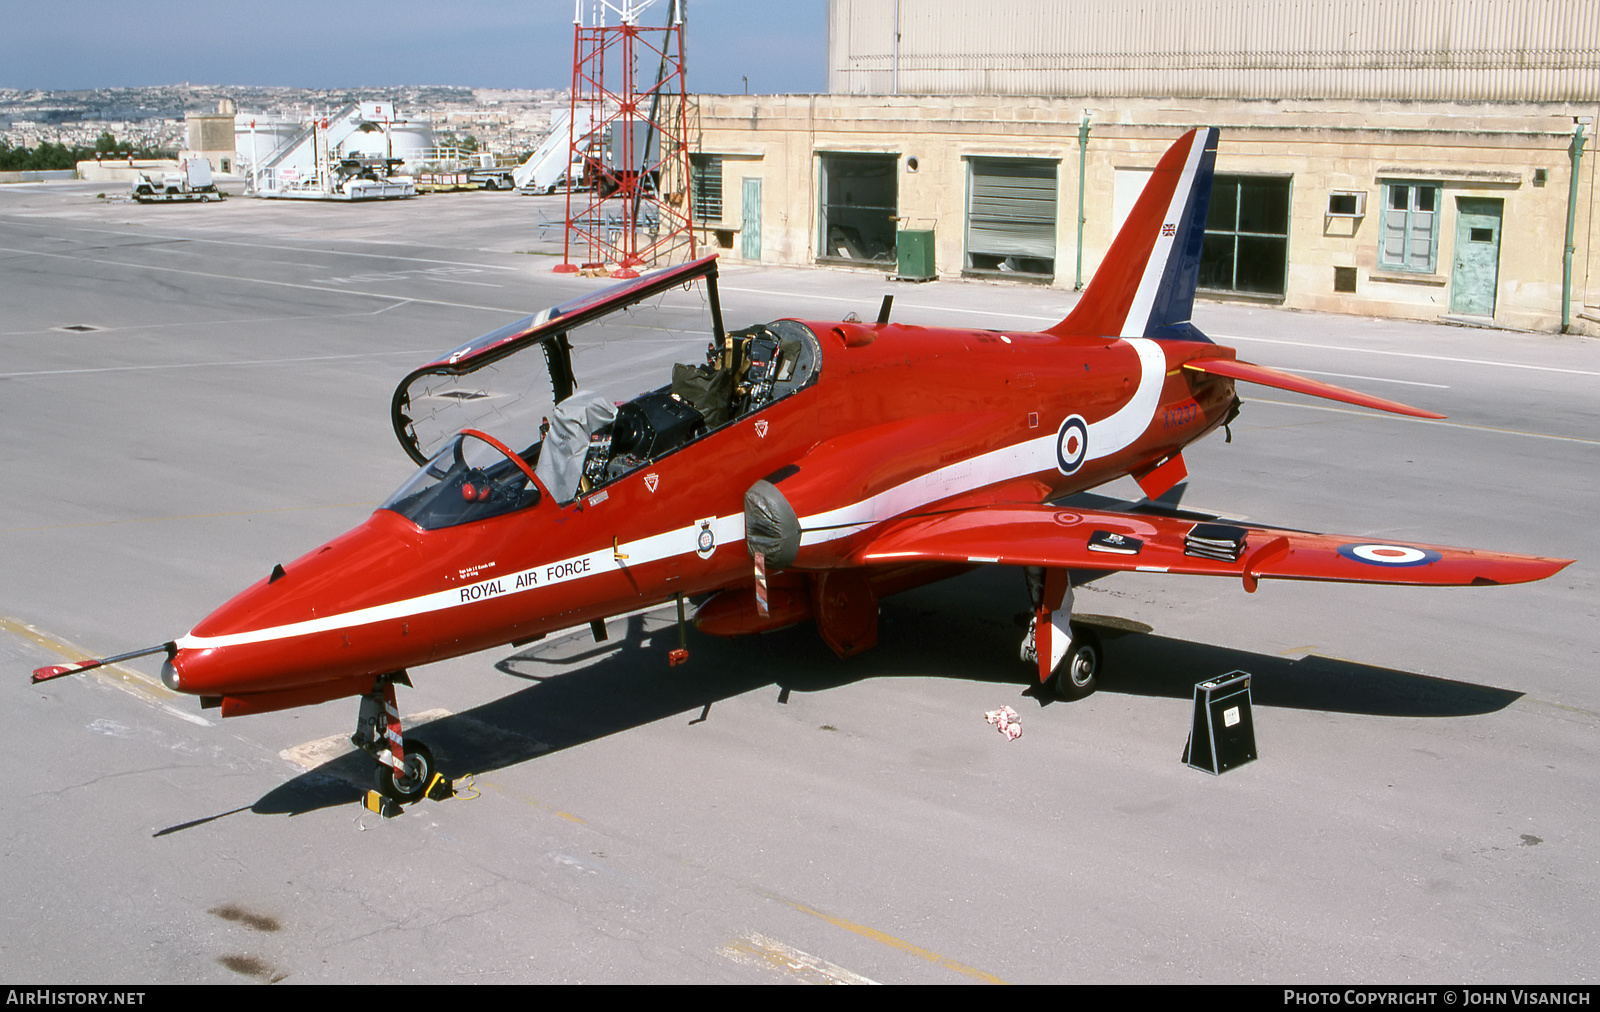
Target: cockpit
(474, 477)
(502, 422)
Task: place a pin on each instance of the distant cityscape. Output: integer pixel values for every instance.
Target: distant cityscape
(500, 121)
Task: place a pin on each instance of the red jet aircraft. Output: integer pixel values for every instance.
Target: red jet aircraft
(804, 470)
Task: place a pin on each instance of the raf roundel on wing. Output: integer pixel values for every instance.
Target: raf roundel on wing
(1389, 555)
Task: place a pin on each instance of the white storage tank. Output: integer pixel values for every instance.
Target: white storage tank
(400, 139)
(263, 138)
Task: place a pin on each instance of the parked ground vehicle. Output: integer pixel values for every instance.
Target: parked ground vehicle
(192, 181)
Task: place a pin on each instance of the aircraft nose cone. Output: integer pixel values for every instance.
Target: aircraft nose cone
(313, 621)
(170, 677)
(203, 672)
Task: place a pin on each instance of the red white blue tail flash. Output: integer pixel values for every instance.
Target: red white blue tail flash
(1145, 286)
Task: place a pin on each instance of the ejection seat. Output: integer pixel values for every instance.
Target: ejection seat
(566, 445)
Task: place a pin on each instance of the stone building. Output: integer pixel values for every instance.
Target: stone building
(1424, 159)
(211, 136)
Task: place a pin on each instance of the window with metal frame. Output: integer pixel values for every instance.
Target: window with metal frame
(1011, 215)
(1410, 226)
(859, 206)
(1246, 247)
(705, 173)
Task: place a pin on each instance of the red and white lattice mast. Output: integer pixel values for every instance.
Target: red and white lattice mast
(637, 157)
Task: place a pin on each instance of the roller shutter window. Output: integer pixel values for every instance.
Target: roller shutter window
(706, 180)
(1011, 216)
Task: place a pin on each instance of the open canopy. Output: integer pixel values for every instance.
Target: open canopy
(508, 381)
(565, 402)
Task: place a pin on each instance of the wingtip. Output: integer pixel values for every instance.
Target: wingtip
(1432, 416)
(1510, 569)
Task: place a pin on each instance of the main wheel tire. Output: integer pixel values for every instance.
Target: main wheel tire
(410, 785)
(1079, 674)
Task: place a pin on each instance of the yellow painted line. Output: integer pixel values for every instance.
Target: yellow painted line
(1558, 706)
(530, 801)
(134, 680)
(319, 752)
(1390, 416)
(312, 754)
(1312, 654)
(1408, 354)
(760, 949)
(893, 942)
(136, 683)
(308, 755)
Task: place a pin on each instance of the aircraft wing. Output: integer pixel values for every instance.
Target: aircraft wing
(1046, 535)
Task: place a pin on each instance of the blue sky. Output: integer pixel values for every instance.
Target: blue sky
(74, 44)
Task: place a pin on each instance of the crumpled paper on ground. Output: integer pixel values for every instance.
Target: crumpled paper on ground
(1005, 721)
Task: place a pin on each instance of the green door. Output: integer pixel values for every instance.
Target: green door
(1477, 260)
(750, 220)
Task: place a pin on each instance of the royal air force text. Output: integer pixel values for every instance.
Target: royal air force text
(522, 581)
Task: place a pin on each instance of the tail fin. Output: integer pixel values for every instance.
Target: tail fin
(1145, 285)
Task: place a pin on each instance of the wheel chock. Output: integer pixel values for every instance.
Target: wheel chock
(382, 804)
(440, 788)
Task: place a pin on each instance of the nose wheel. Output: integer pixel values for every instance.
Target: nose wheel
(409, 781)
(405, 765)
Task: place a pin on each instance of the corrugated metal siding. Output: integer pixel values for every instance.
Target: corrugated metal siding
(1441, 50)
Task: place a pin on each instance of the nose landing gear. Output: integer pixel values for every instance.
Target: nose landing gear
(406, 771)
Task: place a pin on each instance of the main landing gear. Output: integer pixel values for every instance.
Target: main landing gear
(405, 765)
(1066, 654)
(1079, 673)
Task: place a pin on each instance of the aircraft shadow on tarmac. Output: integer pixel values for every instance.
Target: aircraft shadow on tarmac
(582, 691)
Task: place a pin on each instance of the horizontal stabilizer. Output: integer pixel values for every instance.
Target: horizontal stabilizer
(1252, 373)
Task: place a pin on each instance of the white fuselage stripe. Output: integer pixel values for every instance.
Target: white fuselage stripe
(727, 530)
(1118, 430)
(1115, 432)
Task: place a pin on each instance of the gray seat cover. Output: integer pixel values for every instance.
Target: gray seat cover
(566, 445)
